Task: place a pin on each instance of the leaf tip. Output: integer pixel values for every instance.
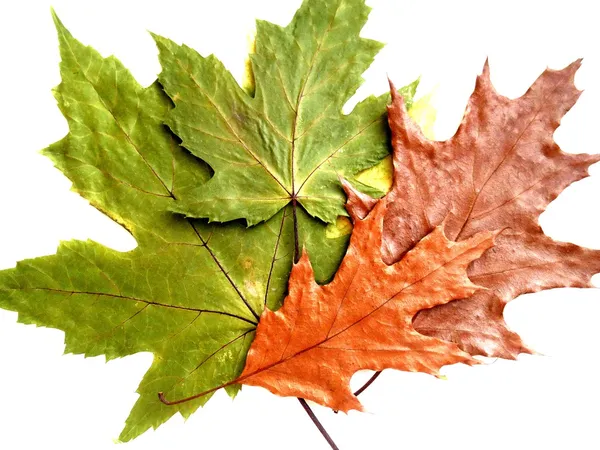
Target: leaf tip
(577, 63)
(358, 204)
(572, 70)
(484, 81)
(60, 27)
(486, 67)
(162, 43)
(393, 90)
(304, 258)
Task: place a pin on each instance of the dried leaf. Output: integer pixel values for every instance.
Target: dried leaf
(499, 172)
(322, 335)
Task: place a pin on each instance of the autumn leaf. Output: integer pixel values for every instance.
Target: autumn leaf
(287, 141)
(499, 172)
(191, 292)
(322, 335)
(184, 293)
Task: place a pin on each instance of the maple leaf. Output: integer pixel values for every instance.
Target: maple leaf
(322, 335)
(289, 134)
(498, 172)
(191, 292)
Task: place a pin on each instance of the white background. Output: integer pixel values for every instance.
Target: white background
(68, 402)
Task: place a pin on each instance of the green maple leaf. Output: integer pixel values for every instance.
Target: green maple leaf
(191, 292)
(184, 293)
(287, 140)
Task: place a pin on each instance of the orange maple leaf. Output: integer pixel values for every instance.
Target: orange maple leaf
(322, 335)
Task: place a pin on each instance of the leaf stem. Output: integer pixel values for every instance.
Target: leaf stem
(296, 238)
(368, 383)
(318, 424)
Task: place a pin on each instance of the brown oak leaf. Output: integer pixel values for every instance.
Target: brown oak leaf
(498, 172)
(311, 347)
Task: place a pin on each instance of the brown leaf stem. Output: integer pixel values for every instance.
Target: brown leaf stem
(368, 383)
(317, 423)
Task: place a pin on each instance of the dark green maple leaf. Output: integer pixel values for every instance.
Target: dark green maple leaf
(191, 292)
(287, 141)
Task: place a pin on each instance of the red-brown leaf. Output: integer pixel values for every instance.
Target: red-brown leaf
(498, 172)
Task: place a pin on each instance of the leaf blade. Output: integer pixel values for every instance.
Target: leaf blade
(500, 171)
(364, 318)
(290, 137)
(155, 298)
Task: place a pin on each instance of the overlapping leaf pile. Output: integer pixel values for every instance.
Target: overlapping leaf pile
(417, 287)
(497, 174)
